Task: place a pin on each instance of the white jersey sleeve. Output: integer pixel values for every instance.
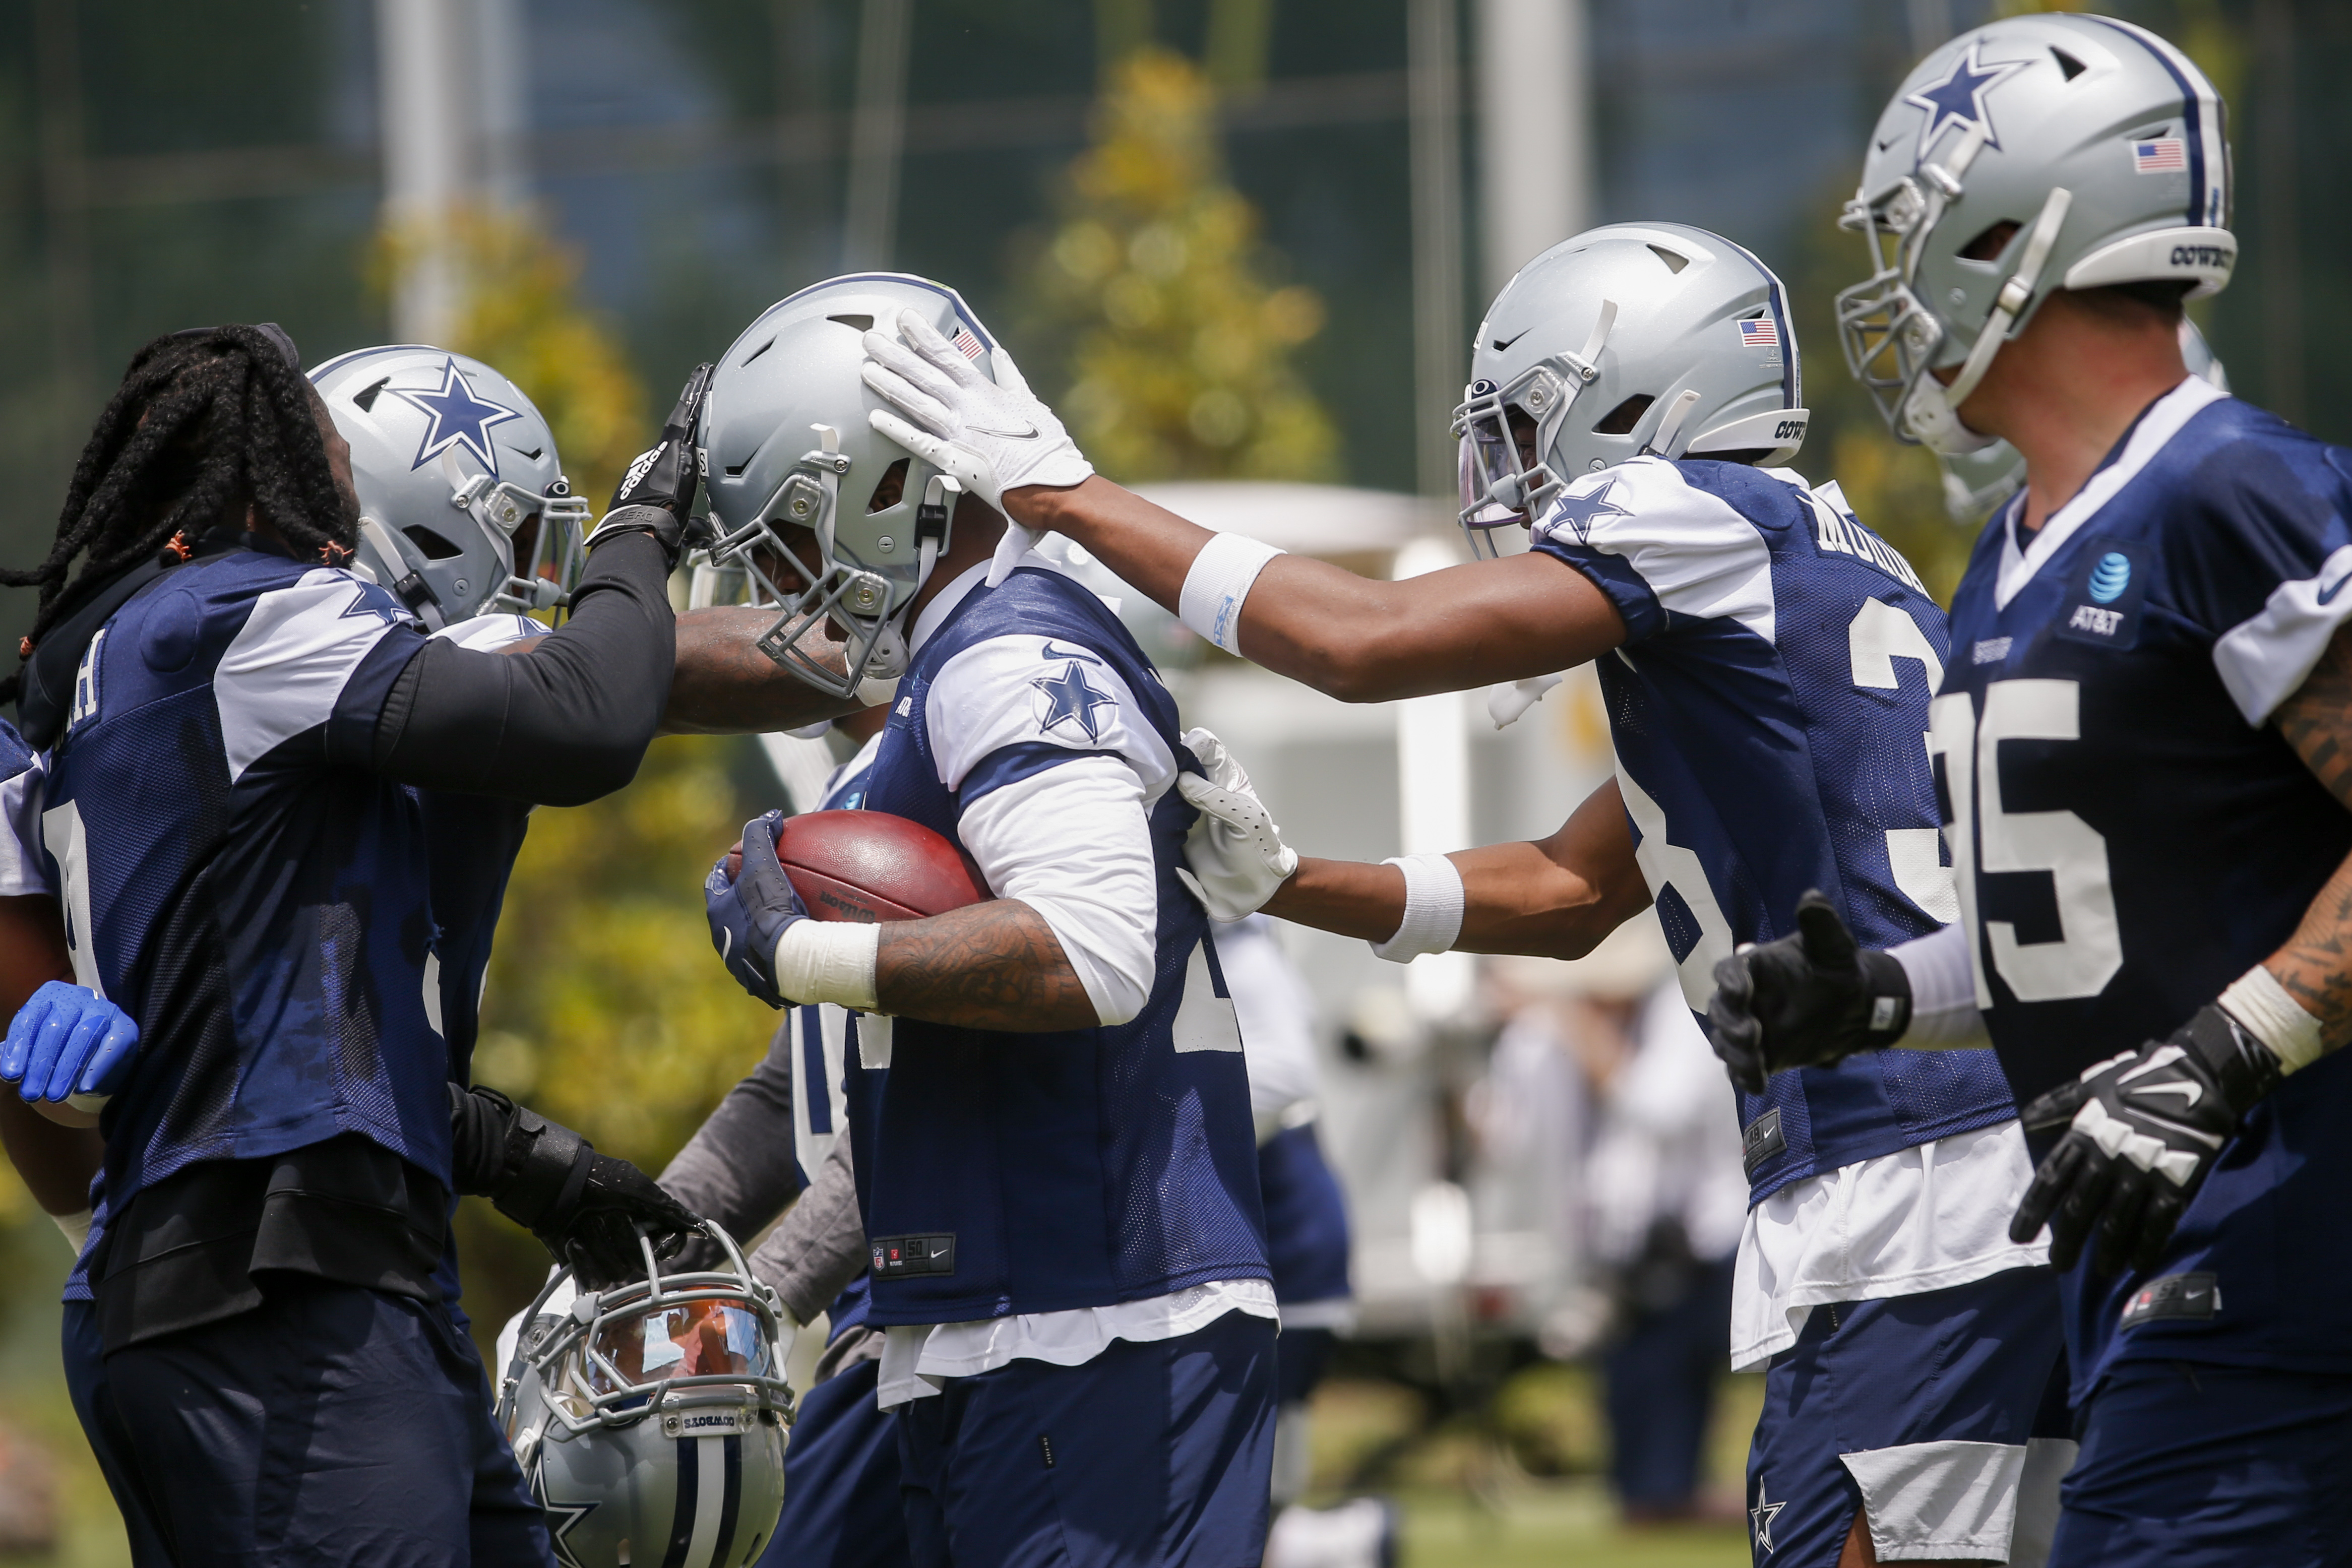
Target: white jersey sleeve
(1656, 545)
(1058, 770)
(23, 870)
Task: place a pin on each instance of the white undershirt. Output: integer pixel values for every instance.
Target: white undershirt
(1922, 1219)
(1074, 843)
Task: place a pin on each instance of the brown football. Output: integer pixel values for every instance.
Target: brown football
(870, 866)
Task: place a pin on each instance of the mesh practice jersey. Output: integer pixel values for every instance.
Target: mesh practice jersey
(1769, 710)
(2136, 834)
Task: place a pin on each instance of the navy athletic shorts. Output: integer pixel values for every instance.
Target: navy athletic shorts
(332, 1424)
(2198, 1466)
(1982, 1362)
(1153, 1453)
(841, 1481)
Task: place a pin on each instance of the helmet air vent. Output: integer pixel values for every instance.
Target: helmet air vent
(1675, 261)
(854, 323)
(2068, 63)
(1621, 420)
(890, 489)
(435, 546)
(366, 397)
(757, 352)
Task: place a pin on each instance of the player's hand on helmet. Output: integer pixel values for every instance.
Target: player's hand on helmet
(1235, 855)
(1805, 1001)
(2143, 1129)
(656, 496)
(750, 910)
(68, 1041)
(597, 1235)
(991, 436)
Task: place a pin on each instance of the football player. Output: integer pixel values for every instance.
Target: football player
(1766, 663)
(2141, 738)
(280, 1150)
(1048, 1107)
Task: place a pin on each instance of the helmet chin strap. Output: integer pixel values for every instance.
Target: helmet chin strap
(1932, 409)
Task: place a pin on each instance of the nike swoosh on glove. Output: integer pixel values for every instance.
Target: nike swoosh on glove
(2143, 1130)
(1235, 853)
(1006, 436)
(750, 911)
(1805, 1001)
(68, 1041)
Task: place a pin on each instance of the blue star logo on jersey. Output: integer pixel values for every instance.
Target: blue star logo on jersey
(1070, 700)
(367, 602)
(1762, 1515)
(459, 417)
(1581, 512)
(1960, 97)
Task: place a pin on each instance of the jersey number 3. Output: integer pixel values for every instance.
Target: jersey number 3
(2089, 949)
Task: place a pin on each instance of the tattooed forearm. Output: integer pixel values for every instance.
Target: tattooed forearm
(991, 966)
(725, 685)
(2315, 964)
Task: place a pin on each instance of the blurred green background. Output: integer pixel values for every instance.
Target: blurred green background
(1192, 219)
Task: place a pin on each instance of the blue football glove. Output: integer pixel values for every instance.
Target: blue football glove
(68, 1041)
(748, 914)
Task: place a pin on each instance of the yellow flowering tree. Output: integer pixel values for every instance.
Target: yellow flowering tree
(1180, 347)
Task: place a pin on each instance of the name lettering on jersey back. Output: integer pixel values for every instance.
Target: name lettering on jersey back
(1840, 533)
(85, 695)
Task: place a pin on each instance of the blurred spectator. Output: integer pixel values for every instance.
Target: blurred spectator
(1601, 1081)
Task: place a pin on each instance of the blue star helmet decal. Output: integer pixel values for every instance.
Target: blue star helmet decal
(1581, 512)
(1960, 97)
(1070, 700)
(459, 417)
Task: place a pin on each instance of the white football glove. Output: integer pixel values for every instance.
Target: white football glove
(992, 436)
(1237, 854)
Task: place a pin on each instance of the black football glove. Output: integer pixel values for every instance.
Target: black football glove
(2144, 1129)
(657, 495)
(587, 1208)
(1805, 1001)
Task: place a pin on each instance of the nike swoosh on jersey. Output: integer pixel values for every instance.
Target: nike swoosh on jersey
(1050, 652)
(2333, 589)
(1031, 434)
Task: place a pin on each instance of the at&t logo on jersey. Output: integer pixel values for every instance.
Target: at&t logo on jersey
(2105, 607)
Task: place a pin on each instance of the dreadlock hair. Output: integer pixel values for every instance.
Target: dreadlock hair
(205, 425)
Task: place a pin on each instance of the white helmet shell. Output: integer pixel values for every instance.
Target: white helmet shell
(785, 444)
(2100, 145)
(651, 1418)
(1626, 339)
(454, 467)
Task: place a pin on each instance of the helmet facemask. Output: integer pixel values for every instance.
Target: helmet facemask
(1498, 486)
(866, 606)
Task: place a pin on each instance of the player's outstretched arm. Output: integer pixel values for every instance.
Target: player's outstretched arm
(1553, 898)
(725, 685)
(2315, 966)
(1355, 638)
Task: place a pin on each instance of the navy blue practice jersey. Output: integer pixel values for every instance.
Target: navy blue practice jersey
(238, 879)
(1769, 710)
(1015, 1173)
(2134, 834)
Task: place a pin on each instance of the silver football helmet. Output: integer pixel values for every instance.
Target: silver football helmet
(1976, 481)
(2035, 152)
(1626, 339)
(785, 446)
(651, 1418)
(463, 507)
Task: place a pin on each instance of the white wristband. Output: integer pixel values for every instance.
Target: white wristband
(1433, 909)
(1220, 578)
(828, 961)
(2261, 1005)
